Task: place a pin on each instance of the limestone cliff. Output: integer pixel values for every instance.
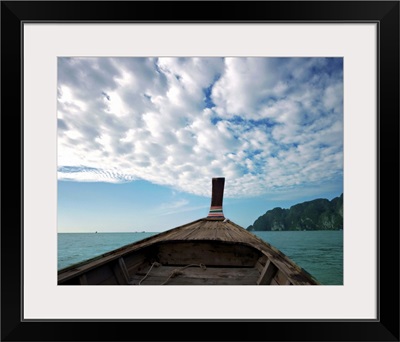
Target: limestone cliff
(318, 214)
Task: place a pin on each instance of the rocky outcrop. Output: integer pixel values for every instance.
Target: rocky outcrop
(318, 214)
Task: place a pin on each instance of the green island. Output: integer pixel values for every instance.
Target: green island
(318, 214)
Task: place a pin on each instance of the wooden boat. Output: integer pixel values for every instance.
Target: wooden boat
(209, 251)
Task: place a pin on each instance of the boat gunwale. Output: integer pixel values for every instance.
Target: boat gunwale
(128, 249)
(271, 252)
(116, 252)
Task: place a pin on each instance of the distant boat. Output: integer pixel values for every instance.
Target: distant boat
(209, 251)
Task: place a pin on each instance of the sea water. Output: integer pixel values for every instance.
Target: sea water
(320, 253)
(76, 247)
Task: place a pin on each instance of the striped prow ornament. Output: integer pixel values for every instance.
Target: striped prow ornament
(217, 196)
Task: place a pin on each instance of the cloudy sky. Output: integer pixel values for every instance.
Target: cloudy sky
(139, 139)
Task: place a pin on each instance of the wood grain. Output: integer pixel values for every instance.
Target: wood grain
(213, 242)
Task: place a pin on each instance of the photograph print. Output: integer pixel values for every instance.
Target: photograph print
(200, 170)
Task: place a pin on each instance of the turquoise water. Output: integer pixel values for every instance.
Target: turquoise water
(319, 252)
(76, 247)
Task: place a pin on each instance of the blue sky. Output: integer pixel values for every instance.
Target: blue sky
(139, 139)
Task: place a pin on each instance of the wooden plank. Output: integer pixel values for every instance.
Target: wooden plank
(109, 281)
(121, 273)
(199, 230)
(143, 273)
(83, 280)
(198, 272)
(137, 260)
(64, 276)
(260, 264)
(281, 278)
(198, 276)
(100, 274)
(209, 254)
(72, 281)
(208, 281)
(293, 271)
(185, 280)
(267, 274)
(238, 235)
(121, 263)
(184, 233)
(84, 266)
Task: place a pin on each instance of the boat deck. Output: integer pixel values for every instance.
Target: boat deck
(197, 275)
(229, 255)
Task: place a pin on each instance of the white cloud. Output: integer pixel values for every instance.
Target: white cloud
(264, 124)
(175, 204)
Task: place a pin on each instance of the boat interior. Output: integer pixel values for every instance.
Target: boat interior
(199, 262)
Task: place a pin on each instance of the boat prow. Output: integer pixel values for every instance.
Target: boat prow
(209, 251)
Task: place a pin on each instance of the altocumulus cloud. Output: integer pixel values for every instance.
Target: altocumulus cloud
(266, 124)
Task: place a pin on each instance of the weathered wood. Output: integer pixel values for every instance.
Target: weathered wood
(85, 267)
(261, 263)
(198, 276)
(120, 272)
(109, 281)
(197, 272)
(100, 275)
(273, 282)
(83, 280)
(212, 254)
(217, 234)
(267, 274)
(281, 278)
(296, 275)
(136, 261)
(199, 281)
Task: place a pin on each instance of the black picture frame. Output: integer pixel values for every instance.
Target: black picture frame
(384, 13)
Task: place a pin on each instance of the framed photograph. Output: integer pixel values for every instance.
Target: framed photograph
(280, 102)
